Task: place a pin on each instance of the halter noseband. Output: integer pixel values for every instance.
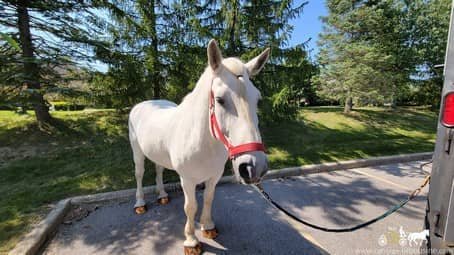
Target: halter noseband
(217, 134)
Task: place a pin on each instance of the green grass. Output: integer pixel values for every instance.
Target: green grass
(88, 152)
(324, 134)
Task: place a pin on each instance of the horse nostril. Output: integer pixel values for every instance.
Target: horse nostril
(246, 171)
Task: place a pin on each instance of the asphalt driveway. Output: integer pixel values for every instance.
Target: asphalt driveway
(249, 225)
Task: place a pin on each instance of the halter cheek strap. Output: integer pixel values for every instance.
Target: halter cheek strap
(216, 131)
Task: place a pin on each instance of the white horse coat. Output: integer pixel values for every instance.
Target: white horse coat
(178, 136)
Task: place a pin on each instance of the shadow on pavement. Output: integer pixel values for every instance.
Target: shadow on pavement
(246, 223)
(338, 197)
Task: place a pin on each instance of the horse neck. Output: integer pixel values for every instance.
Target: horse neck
(194, 116)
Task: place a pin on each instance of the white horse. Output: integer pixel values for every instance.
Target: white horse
(414, 237)
(217, 120)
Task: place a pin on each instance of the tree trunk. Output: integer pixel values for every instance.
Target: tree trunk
(31, 69)
(157, 65)
(154, 66)
(348, 104)
(157, 90)
(393, 96)
(232, 40)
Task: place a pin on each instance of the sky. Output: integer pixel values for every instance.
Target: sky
(308, 25)
(305, 27)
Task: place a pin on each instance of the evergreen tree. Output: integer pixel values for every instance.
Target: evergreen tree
(371, 51)
(353, 67)
(161, 41)
(50, 35)
(174, 53)
(245, 28)
(431, 26)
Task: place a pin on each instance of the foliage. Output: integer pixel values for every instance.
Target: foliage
(166, 43)
(244, 29)
(427, 92)
(10, 41)
(431, 29)
(286, 86)
(67, 106)
(372, 52)
(244, 26)
(123, 85)
(42, 41)
(352, 65)
(375, 51)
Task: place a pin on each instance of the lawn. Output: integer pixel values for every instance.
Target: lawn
(88, 152)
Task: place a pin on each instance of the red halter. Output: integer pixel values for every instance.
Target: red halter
(217, 134)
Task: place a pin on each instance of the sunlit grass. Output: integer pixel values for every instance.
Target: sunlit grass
(323, 134)
(89, 152)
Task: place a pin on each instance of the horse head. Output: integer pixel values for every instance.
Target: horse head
(233, 112)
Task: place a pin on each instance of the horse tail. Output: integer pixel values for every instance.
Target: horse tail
(133, 139)
(132, 131)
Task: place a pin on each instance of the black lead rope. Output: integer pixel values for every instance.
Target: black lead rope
(412, 195)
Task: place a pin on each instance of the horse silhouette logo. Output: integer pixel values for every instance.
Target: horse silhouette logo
(392, 236)
(418, 236)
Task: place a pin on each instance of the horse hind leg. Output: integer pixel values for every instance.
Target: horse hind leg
(139, 160)
(163, 197)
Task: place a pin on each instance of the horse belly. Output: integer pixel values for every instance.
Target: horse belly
(151, 121)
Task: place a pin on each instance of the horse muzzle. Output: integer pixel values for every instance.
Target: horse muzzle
(251, 167)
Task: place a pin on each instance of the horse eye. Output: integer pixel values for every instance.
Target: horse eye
(220, 100)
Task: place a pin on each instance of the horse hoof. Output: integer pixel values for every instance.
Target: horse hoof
(196, 250)
(140, 209)
(163, 200)
(210, 234)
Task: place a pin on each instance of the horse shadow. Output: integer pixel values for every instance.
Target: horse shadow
(246, 225)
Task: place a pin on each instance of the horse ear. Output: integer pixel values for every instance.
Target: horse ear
(214, 55)
(256, 64)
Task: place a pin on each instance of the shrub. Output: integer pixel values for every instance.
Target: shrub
(67, 106)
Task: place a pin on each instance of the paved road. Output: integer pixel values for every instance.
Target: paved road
(248, 225)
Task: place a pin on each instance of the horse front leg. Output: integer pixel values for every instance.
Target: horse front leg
(207, 225)
(191, 244)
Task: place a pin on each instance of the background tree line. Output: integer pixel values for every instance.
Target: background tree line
(160, 52)
(371, 51)
(383, 51)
